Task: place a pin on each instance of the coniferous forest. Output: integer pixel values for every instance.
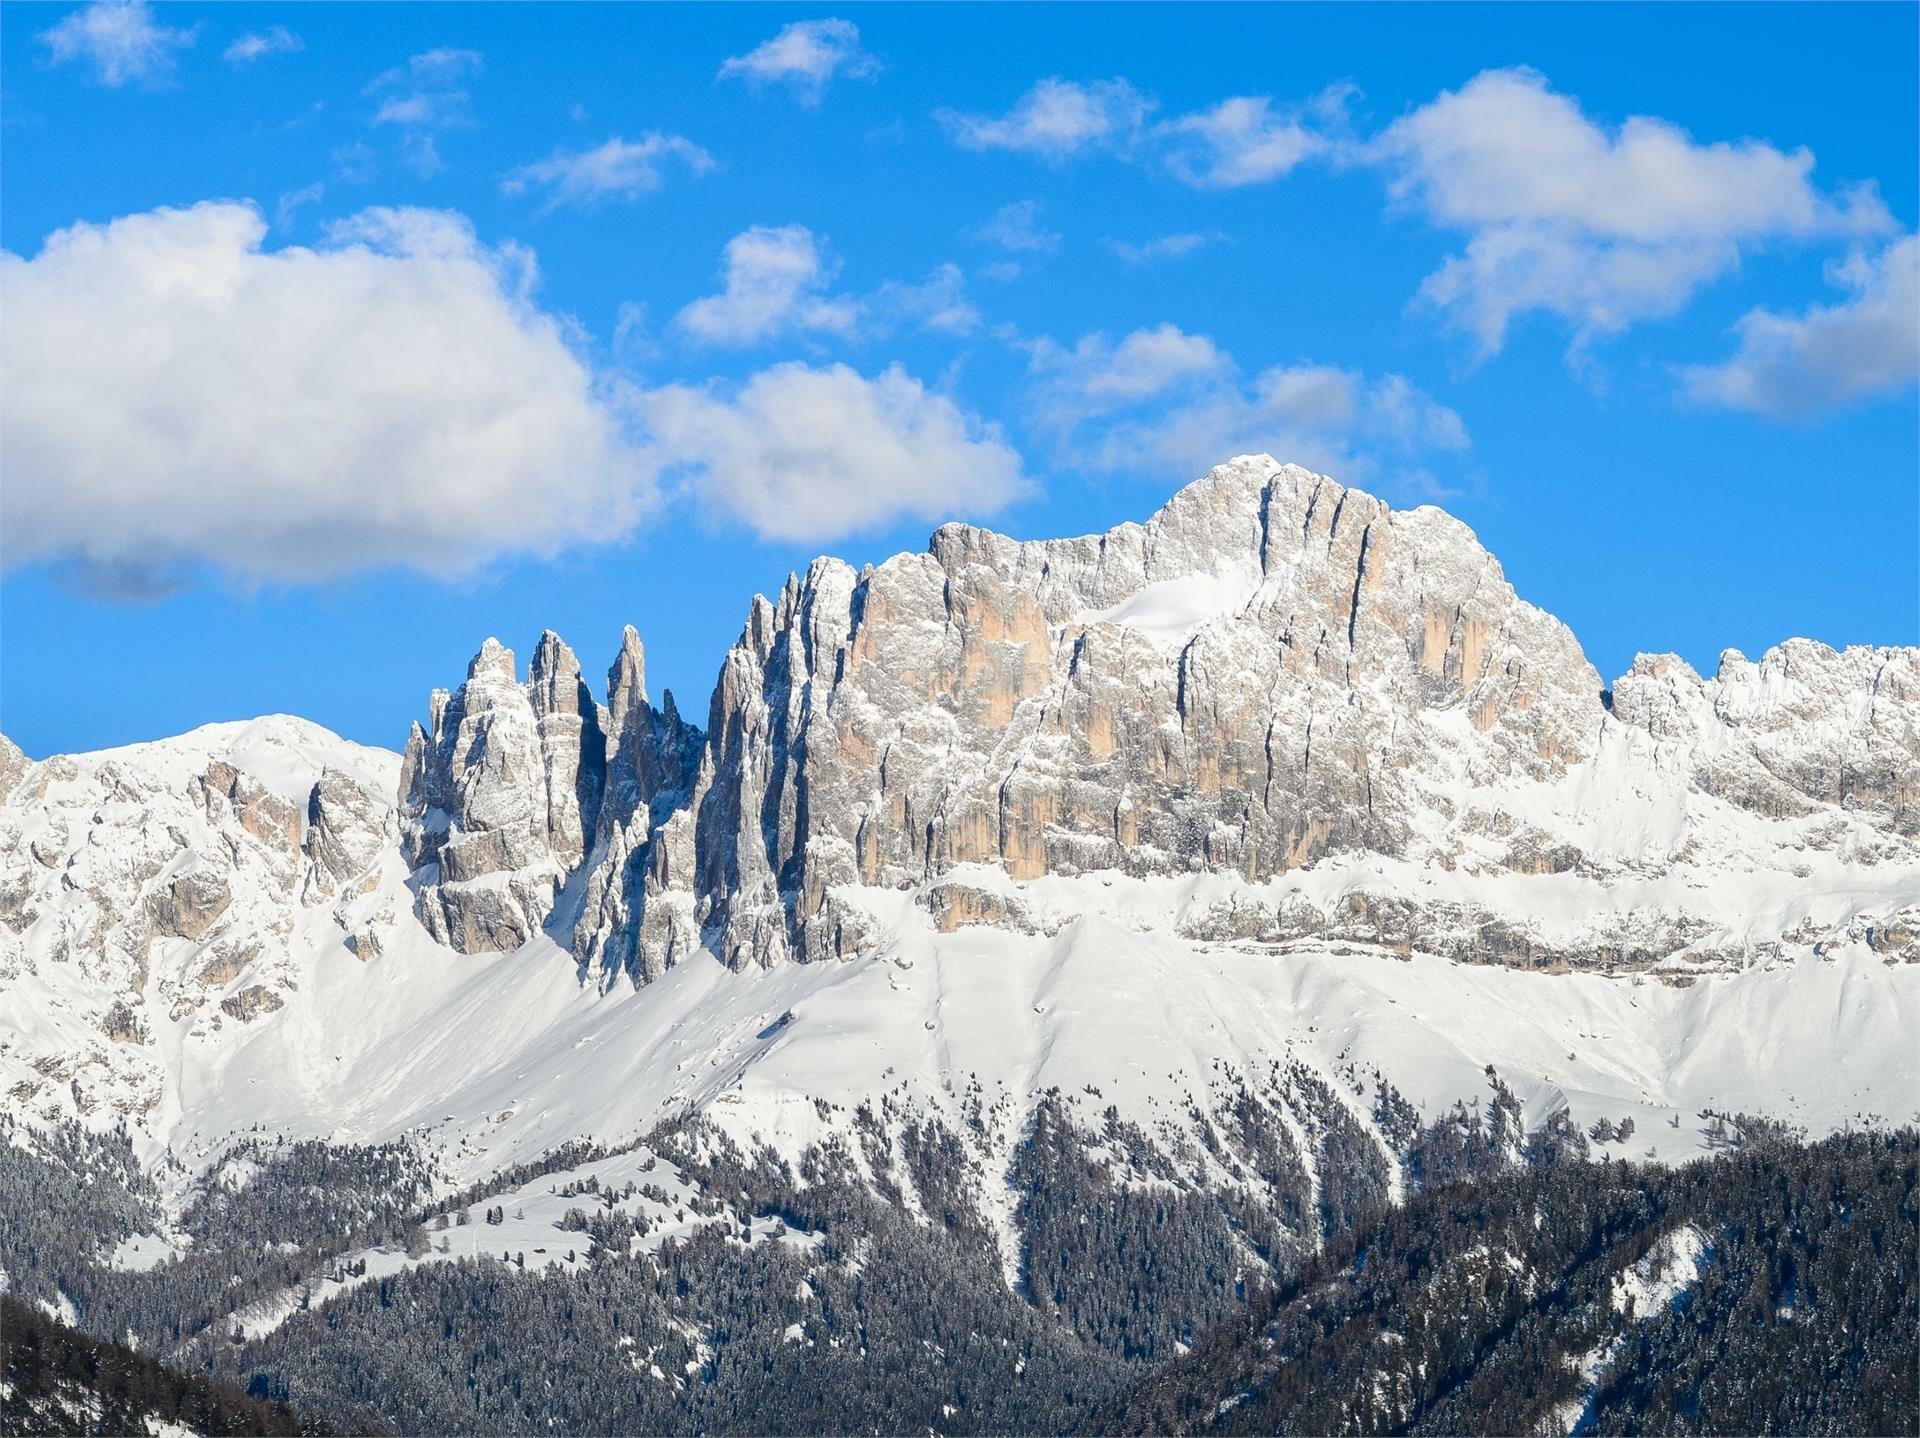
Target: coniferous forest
(1520, 1286)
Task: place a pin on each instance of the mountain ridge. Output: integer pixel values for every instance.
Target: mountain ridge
(1299, 757)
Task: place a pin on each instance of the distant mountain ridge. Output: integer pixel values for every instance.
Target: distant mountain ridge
(1251, 752)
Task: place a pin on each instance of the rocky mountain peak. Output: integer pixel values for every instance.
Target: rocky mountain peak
(1271, 671)
(626, 678)
(495, 661)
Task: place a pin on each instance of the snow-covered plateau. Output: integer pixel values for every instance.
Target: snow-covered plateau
(1282, 776)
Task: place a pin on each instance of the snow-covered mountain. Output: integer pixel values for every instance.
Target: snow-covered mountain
(1283, 775)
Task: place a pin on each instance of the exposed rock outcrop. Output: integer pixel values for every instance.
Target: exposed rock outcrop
(490, 801)
(151, 885)
(1803, 727)
(636, 913)
(349, 825)
(1271, 669)
(514, 789)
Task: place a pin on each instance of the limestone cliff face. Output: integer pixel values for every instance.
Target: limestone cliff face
(491, 796)
(633, 918)
(1271, 669)
(512, 789)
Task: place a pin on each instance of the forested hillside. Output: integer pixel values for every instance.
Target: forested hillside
(1520, 1285)
(58, 1381)
(1769, 1290)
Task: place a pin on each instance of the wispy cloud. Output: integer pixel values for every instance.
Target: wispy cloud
(423, 96)
(1162, 247)
(432, 69)
(939, 302)
(275, 40)
(1162, 400)
(120, 39)
(290, 203)
(1249, 140)
(1016, 227)
(1245, 140)
(1057, 119)
(778, 281)
(805, 57)
(616, 169)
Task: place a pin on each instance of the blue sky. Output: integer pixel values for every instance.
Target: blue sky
(574, 317)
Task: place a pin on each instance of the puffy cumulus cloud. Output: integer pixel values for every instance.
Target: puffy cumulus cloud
(1248, 141)
(1600, 227)
(617, 169)
(1162, 401)
(257, 45)
(807, 454)
(1833, 355)
(773, 281)
(119, 38)
(1017, 227)
(178, 396)
(805, 56)
(1098, 376)
(1057, 119)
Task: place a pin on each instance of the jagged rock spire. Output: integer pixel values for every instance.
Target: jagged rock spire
(512, 789)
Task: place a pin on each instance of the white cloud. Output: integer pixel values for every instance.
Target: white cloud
(807, 454)
(120, 38)
(773, 281)
(447, 65)
(616, 169)
(274, 40)
(1056, 119)
(939, 302)
(425, 95)
(179, 396)
(434, 111)
(1016, 227)
(1097, 376)
(1603, 228)
(1245, 141)
(806, 55)
(1162, 247)
(289, 204)
(1833, 355)
(1163, 401)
